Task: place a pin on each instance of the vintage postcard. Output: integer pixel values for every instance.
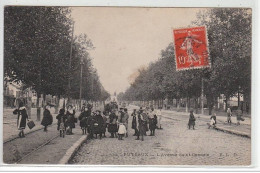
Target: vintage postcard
(127, 86)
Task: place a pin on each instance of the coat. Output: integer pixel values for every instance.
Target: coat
(98, 124)
(47, 118)
(104, 124)
(191, 120)
(112, 126)
(142, 124)
(83, 119)
(21, 118)
(134, 121)
(71, 119)
(152, 122)
(62, 117)
(214, 118)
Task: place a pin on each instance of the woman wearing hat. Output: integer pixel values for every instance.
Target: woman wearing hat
(21, 119)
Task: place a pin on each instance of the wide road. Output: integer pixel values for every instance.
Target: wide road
(174, 145)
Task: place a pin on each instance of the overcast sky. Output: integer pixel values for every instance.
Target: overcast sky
(127, 38)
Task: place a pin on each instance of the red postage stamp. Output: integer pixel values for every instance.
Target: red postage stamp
(191, 48)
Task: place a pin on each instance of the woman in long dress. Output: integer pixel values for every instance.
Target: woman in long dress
(47, 118)
(70, 123)
(21, 119)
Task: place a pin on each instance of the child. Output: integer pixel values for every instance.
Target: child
(152, 125)
(213, 121)
(59, 116)
(191, 120)
(62, 127)
(121, 131)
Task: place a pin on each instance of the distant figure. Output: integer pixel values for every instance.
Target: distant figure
(229, 114)
(121, 125)
(104, 128)
(152, 122)
(134, 122)
(191, 120)
(213, 121)
(47, 118)
(112, 126)
(70, 123)
(141, 125)
(239, 115)
(159, 116)
(98, 124)
(59, 116)
(83, 120)
(21, 119)
(126, 121)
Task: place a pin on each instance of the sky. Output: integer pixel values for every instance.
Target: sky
(126, 39)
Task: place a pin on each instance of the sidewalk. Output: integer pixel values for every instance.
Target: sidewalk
(10, 130)
(244, 129)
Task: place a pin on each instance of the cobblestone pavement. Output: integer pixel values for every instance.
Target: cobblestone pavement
(174, 145)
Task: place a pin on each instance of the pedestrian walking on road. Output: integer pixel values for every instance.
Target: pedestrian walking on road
(159, 116)
(146, 120)
(83, 120)
(121, 125)
(59, 116)
(98, 124)
(126, 116)
(112, 127)
(70, 123)
(239, 115)
(134, 122)
(152, 122)
(141, 125)
(21, 119)
(229, 114)
(104, 129)
(47, 118)
(192, 120)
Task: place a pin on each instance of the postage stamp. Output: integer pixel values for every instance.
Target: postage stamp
(191, 48)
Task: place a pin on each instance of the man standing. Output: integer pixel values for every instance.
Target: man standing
(134, 122)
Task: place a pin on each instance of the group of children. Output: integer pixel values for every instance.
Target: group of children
(114, 121)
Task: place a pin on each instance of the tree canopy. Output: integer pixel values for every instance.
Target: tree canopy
(37, 43)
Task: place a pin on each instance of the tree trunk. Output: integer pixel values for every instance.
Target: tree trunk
(196, 105)
(186, 105)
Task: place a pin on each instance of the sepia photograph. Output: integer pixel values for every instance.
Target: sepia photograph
(89, 85)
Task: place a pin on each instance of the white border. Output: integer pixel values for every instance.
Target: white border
(155, 3)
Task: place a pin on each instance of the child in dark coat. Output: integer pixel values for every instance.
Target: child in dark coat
(47, 118)
(191, 120)
(61, 117)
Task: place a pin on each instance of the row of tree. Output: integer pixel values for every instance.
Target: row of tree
(229, 37)
(41, 52)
